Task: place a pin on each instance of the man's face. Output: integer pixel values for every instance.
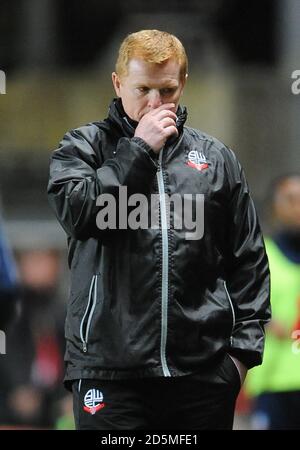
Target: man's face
(287, 203)
(147, 86)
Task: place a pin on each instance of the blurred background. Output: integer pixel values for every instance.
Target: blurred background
(58, 57)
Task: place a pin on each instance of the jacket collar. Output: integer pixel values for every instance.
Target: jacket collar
(117, 115)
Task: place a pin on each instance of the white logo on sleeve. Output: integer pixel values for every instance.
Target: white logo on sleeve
(93, 401)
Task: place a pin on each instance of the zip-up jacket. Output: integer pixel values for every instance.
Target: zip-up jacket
(155, 301)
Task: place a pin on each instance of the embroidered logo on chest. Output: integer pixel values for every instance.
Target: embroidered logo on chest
(197, 160)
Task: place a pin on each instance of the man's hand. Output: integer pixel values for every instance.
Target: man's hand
(157, 126)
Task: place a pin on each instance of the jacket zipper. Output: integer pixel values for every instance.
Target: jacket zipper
(165, 267)
(232, 311)
(88, 314)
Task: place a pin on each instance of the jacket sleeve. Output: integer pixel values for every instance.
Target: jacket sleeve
(78, 177)
(248, 278)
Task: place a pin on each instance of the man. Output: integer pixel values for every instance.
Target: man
(275, 385)
(156, 311)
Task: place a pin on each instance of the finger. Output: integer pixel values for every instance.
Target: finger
(168, 106)
(169, 131)
(166, 113)
(168, 122)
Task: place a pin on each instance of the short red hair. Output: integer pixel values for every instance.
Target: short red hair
(152, 46)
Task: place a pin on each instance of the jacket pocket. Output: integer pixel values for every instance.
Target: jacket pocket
(86, 320)
(231, 309)
(229, 372)
(235, 370)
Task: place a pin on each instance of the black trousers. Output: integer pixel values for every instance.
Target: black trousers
(201, 401)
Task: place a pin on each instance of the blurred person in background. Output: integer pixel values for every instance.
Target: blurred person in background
(275, 386)
(160, 329)
(9, 285)
(9, 301)
(31, 372)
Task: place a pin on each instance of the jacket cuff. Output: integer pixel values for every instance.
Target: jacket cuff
(145, 146)
(248, 358)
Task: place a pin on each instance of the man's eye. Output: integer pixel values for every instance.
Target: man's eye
(143, 90)
(167, 91)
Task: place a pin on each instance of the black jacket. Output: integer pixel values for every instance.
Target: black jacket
(149, 301)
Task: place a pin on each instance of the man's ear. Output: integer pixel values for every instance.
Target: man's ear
(183, 81)
(116, 83)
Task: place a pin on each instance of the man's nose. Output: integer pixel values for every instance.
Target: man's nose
(154, 99)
